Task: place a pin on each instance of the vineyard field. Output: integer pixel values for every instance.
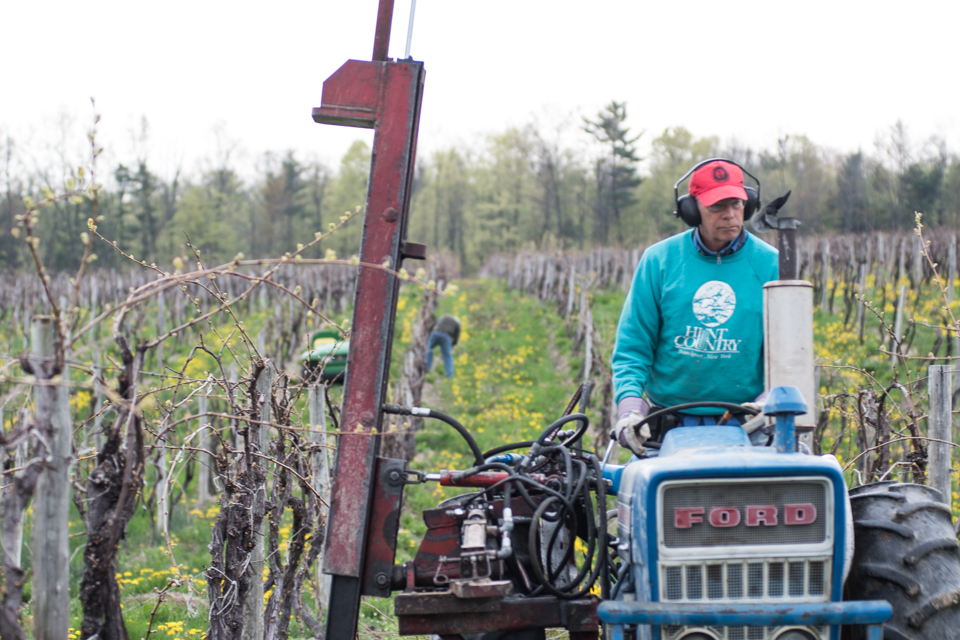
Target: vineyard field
(524, 349)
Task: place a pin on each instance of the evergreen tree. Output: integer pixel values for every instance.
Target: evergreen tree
(851, 199)
(146, 209)
(615, 172)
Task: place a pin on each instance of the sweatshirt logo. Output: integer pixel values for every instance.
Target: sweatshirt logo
(710, 341)
(714, 303)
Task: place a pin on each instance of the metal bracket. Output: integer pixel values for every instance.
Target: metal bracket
(413, 251)
(381, 544)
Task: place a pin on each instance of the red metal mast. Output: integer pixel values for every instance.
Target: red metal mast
(383, 95)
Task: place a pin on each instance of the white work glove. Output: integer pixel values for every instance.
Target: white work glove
(626, 434)
(755, 406)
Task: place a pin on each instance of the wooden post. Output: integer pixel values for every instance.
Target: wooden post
(917, 261)
(951, 276)
(860, 306)
(178, 314)
(234, 386)
(939, 428)
(898, 327)
(881, 262)
(205, 460)
(807, 438)
(583, 310)
(588, 350)
(902, 260)
(95, 305)
(253, 606)
(321, 478)
(51, 551)
(20, 460)
(161, 328)
(8, 489)
(162, 484)
(951, 266)
(825, 274)
(98, 406)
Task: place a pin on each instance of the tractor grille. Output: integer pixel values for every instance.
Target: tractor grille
(768, 581)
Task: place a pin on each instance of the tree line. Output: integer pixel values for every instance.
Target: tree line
(581, 184)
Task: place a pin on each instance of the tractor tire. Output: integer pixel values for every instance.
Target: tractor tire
(906, 553)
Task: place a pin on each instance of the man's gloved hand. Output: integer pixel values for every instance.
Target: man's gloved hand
(625, 432)
(755, 405)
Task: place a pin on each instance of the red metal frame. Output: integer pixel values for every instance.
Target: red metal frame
(381, 40)
(383, 95)
(375, 304)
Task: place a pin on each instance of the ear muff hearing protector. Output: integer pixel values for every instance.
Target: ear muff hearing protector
(686, 205)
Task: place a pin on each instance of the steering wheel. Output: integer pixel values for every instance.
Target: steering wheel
(729, 406)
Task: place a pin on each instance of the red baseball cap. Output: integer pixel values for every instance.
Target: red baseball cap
(717, 181)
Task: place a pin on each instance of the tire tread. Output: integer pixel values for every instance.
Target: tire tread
(906, 552)
(892, 574)
(922, 550)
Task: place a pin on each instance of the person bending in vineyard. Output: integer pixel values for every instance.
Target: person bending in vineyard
(691, 328)
(445, 334)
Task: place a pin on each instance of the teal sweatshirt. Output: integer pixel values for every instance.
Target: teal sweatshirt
(692, 326)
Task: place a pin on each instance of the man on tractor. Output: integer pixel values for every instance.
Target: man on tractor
(692, 326)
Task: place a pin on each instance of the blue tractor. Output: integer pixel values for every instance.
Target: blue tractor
(724, 540)
(722, 533)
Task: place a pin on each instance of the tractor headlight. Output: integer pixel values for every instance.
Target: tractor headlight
(796, 634)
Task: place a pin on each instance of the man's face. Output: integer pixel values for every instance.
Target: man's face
(721, 222)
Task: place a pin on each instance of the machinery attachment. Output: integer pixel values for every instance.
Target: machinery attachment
(383, 95)
(526, 549)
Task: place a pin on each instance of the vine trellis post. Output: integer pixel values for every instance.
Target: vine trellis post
(260, 438)
(321, 477)
(940, 385)
(51, 526)
(205, 443)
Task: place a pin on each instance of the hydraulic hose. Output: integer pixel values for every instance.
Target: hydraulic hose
(621, 580)
(424, 412)
(552, 429)
(563, 499)
(596, 543)
(526, 444)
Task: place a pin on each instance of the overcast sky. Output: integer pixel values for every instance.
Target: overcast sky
(245, 76)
